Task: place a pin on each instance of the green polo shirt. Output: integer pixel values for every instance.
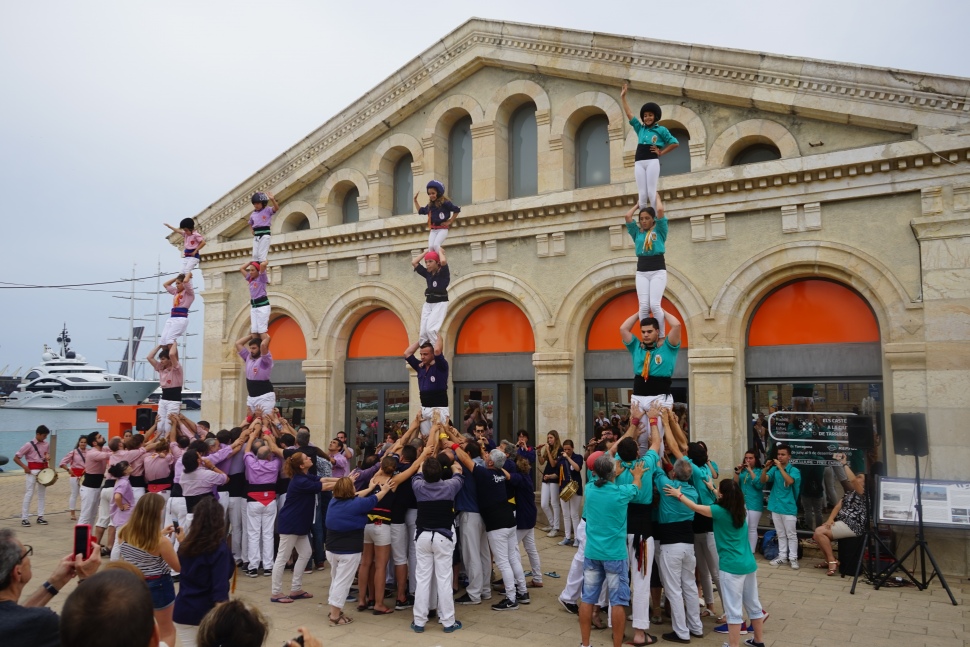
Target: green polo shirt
(733, 547)
(671, 509)
(783, 499)
(657, 234)
(754, 497)
(662, 359)
(653, 135)
(649, 461)
(698, 476)
(606, 519)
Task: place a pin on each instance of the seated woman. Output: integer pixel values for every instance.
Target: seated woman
(848, 517)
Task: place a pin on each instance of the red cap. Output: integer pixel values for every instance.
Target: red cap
(432, 256)
(592, 459)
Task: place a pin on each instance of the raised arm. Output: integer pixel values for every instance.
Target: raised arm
(410, 350)
(151, 356)
(273, 202)
(675, 437)
(438, 343)
(626, 106)
(673, 337)
(264, 345)
(628, 216)
(243, 341)
(442, 260)
(659, 202)
(626, 328)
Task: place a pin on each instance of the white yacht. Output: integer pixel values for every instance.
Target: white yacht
(66, 381)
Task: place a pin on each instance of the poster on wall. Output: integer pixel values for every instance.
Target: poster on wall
(946, 504)
(814, 437)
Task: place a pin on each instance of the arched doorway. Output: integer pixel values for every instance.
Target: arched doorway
(608, 370)
(288, 346)
(493, 369)
(376, 380)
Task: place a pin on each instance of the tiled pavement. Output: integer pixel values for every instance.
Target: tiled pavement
(807, 608)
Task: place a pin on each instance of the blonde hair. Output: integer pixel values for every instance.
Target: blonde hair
(144, 528)
(344, 489)
(293, 465)
(557, 446)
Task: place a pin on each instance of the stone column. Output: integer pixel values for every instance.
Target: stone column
(319, 374)
(554, 407)
(214, 351)
(229, 396)
(486, 183)
(717, 405)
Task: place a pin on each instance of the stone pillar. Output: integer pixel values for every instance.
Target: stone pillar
(716, 406)
(906, 377)
(487, 183)
(554, 407)
(229, 401)
(319, 374)
(214, 351)
(549, 161)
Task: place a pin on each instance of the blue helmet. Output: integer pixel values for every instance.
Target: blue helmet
(437, 186)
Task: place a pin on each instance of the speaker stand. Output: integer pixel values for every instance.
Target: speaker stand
(871, 544)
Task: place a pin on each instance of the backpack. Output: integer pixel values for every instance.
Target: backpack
(769, 545)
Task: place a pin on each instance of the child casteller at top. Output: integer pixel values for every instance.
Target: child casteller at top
(653, 141)
(441, 213)
(192, 242)
(260, 221)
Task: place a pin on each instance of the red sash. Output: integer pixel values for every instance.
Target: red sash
(31, 465)
(158, 487)
(265, 497)
(77, 472)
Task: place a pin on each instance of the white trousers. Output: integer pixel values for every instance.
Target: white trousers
(174, 328)
(436, 239)
(303, 552)
(165, 409)
(104, 507)
(178, 510)
(137, 493)
(787, 536)
(75, 488)
(432, 316)
(261, 247)
(427, 413)
(708, 564)
(527, 537)
(433, 552)
(650, 291)
(549, 500)
(647, 174)
(189, 264)
(259, 319)
(31, 486)
(505, 552)
(411, 522)
(754, 517)
(89, 505)
(239, 525)
(574, 579)
(265, 403)
(475, 554)
(640, 583)
(571, 511)
(187, 634)
(643, 436)
(677, 573)
(342, 571)
(262, 520)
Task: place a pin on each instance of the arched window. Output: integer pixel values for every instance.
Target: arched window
(296, 222)
(593, 152)
(403, 186)
(756, 153)
(678, 160)
(459, 187)
(351, 210)
(287, 340)
(523, 152)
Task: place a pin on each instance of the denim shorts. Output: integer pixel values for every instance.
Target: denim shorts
(616, 575)
(162, 590)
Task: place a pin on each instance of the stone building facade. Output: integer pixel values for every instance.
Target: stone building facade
(858, 178)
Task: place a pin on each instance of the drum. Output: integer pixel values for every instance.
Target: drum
(47, 477)
(568, 491)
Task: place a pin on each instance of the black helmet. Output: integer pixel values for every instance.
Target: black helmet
(259, 196)
(651, 107)
(187, 223)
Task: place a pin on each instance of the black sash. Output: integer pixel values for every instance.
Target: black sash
(92, 480)
(651, 386)
(256, 388)
(172, 394)
(434, 398)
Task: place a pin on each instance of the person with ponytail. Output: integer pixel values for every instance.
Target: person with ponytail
(441, 213)
(549, 455)
(748, 477)
(73, 463)
(653, 140)
(738, 570)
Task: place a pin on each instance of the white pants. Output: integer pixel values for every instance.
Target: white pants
(261, 247)
(178, 510)
(75, 487)
(262, 520)
(677, 572)
(342, 571)
(640, 583)
(259, 319)
(187, 635)
(433, 552)
(189, 264)
(104, 507)
(265, 403)
(436, 239)
(647, 174)
(303, 552)
(708, 564)
(174, 328)
(740, 592)
(411, 522)
(574, 580)
(31, 487)
(238, 524)
(137, 493)
(787, 536)
(571, 511)
(527, 537)
(505, 551)
(165, 409)
(754, 517)
(549, 500)
(427, 413)
(643, 436)
(432, 316)
(650, 290)
(89, 505)
(474, 552)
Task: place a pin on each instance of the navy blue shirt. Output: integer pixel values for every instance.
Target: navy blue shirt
(203, 582)
(296, 516)
(432, 380)
(439, 215)
(525, 501)
(437, 290)
(467, 498)
(493, 498)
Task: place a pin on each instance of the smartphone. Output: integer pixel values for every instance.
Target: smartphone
(82, 540)
(175, 525)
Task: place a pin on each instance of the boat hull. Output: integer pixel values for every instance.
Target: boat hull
(117, 393)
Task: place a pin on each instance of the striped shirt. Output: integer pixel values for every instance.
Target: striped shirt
(149, 565)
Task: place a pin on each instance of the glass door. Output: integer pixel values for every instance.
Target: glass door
(373, 411)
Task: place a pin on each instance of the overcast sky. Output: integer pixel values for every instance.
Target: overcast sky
(119, 116)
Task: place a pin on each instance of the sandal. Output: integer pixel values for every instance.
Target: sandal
(598, 624)
(340, 621)
(283, 599)
(832, 569)
(302, 595)
(534, 585)
(706, 613)
(822, 565)
(553, 574)
(651, 640)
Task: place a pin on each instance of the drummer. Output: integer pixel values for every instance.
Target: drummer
(73, 464)
(38, 455)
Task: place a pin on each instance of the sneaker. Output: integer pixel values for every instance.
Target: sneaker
(750, 642)
(569, 607)
(321, 565)
(505, 605)
(252, 572)
(794, 564)
(486, 596)
(268, 572)
(544, 529)
(308, 570)
(498, 585)
(723, 629)
(778, 561)
(25, 522)
(352, 597)
(566, 542)
(553, 532)
(466, 599)
(41, 521)
(418, 629)
(453, 628)
(765, 617)
(674, 638)
(402, 605)
(523, 598)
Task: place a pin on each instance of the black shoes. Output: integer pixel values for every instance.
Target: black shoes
(505, 605)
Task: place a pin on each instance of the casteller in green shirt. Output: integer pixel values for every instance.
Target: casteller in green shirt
(733, 548)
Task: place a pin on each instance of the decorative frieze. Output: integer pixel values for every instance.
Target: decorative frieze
(486, 252)
(551, 244)
(369, 265)
(275, 275)
(318, 270)
(619, 238)
(708, 228)
(799, 218)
